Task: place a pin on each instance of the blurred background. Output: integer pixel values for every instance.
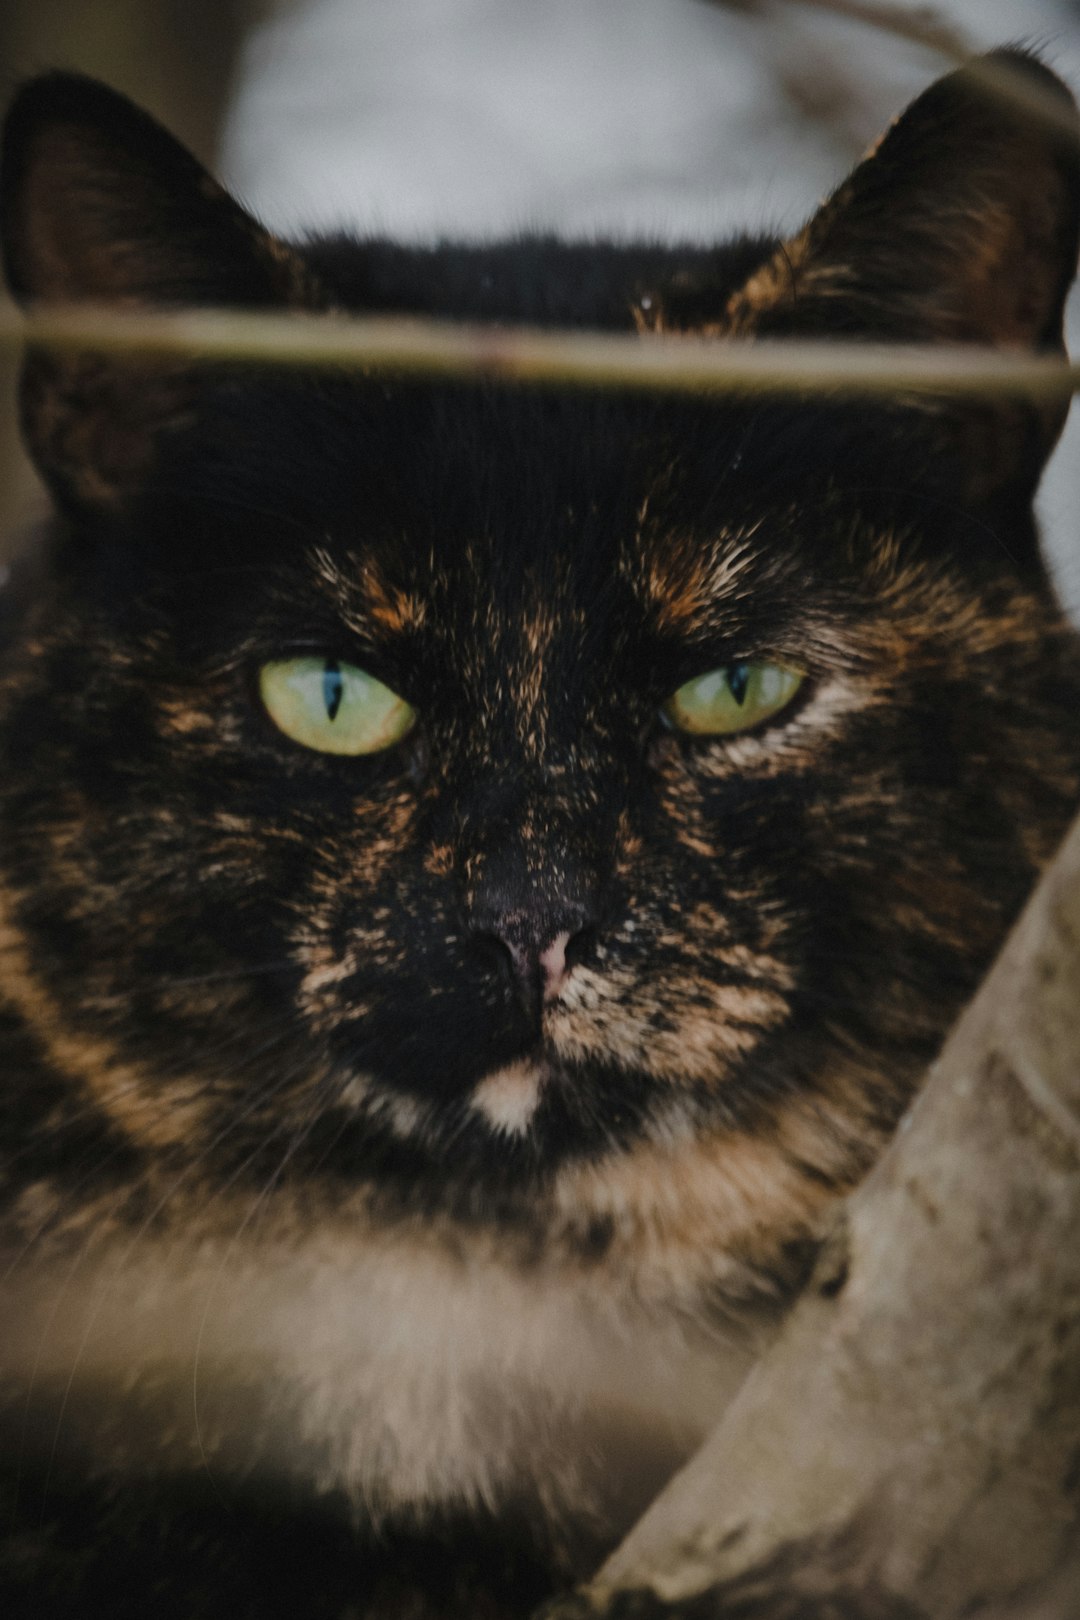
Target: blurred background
(178, 58)
(670, 118)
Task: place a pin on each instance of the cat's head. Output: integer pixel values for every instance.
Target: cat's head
(579, 807)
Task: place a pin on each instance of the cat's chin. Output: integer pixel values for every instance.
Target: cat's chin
(508, 1098)
(520, 1117)
(503, 1103)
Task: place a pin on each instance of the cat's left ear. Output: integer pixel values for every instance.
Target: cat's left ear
(961, 226)
(99, 204)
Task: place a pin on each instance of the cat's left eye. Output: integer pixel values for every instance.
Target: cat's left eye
(332, 707)
(732, 699)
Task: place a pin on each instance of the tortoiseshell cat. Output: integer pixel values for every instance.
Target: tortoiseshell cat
(483, 866)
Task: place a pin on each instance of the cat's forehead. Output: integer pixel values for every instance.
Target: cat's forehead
(537, 506)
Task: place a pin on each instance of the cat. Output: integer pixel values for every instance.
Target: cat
(483, 867)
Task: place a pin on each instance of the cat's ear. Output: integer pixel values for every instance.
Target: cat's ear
(961, 226)
(99, 204)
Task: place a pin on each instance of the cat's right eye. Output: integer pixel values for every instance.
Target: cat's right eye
(735, 698)
(333, 707)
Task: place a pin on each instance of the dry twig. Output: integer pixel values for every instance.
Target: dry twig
(549, 356)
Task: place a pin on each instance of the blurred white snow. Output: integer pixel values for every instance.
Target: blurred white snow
(664, 118)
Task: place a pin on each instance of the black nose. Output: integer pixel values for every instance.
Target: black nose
(532, 947)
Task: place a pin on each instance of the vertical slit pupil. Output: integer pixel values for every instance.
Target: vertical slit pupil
(333, 688)
(738, 679)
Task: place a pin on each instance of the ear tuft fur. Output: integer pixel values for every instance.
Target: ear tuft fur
(98, 203)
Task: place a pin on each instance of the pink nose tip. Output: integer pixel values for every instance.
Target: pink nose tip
(553, 964)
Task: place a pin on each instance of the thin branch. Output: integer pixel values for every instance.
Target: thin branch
(921, 25)
(678, 364)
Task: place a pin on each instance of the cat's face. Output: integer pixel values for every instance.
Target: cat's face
(561, 934)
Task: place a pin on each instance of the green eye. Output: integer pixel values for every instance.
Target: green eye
(731, 699)
(331, 707)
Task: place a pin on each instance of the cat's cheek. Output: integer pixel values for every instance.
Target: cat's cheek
(352, 899)
(335, 960)
(191, 722)
(708, 1211)
(797, 742)
(686, 1031)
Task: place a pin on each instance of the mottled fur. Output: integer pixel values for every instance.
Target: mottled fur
(278, 1121)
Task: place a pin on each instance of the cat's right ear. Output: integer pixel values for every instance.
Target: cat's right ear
(99, 204)
(961, 226)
